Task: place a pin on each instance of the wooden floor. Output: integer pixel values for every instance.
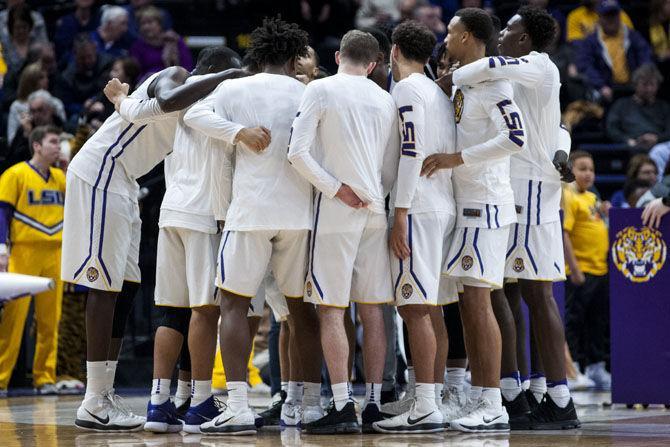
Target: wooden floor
(48, 422)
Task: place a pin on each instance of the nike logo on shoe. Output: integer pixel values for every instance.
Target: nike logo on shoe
(488, 421)
(102, 421)
(218, 424)
(411, 421)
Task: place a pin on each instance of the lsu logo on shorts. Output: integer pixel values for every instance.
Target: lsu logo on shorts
(92, 274)
(639, 254)
(467, 262)
(309, 289)
(406, 291)
(518, 265)
(458, 105)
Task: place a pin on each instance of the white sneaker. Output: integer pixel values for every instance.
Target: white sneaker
(291, 415)
(119, 404)
(400, 406)
(230, 422)
(485, 417)
(580, 382)
(100, 414)
(599, 375)
(412, 422)
(311, 413)
(453, 402)
(260, 388)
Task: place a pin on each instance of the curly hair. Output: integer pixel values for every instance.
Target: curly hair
(478, 22)
(276, 42)
(415, 40)
(540, 26)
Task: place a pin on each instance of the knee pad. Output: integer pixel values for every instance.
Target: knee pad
(122, 308)
(176, 318)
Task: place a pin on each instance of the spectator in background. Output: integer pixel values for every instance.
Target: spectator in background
(112, 37)
(643, 120)
(16, 43)
(33, 78)
(582, 21)
(135, 7)
(39, 52)
(608, 56)
(156, 48)
(38, 32)
(84, 19)
(378, 13)
(431, 16)
(641, 169)
(659, 29)
(636, 193)
(84, 77)
(586, 246)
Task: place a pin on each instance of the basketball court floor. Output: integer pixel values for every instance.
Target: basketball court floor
(48, 422)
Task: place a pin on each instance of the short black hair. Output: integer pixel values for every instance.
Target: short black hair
(492, 44)
(382, 40)
(359, 47)
(38, 134)
(415, 40)
(478, 22)
(19, 13)
(539, 25)
(217, 56)
(276, 42)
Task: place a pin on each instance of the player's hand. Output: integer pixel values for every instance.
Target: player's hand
(398, 241)
(255, 138)
(116, 92)
(562, 165)
(653, 212)
(577, 278)
(435, 162)
(349, 197)
(4, 262)
(446, 83)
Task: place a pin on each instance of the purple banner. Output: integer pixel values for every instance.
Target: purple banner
(639, 309)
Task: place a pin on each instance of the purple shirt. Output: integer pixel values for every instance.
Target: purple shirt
(151, 60)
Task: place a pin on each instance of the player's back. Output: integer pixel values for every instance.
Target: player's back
(119, 152)
(357, 118)
(267, 192)
(419, 96)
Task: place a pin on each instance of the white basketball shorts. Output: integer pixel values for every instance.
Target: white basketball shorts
(535, 252)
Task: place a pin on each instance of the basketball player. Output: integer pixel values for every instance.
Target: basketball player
(535, 250)
(424, 214)
(489, 129)
(269, 215)
(102, 224)
(31, 221)
(354, 123)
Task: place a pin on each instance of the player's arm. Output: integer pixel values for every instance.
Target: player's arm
(301, 142)
(203, 117)
(9, 190)
(561, 156)
(528, 70)
(222, 177)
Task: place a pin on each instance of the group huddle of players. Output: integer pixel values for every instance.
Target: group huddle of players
(298, 176)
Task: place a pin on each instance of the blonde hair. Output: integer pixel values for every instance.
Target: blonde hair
(29, 80)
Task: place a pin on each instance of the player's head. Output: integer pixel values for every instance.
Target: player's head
(583, 169)
(44, 142)
(278, 44)
(307, 68)
(215, 59)
(444, 62)
(358, 49)
(468, 33)
(492, 44)
(380, 73)
(413, 44)
(530, 29)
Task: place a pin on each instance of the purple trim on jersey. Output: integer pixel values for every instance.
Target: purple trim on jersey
(496, 216)
(488, 216)
(6, 212)
(516, 234)
(460, 250)
(557, 267)
(223, 247)
(539, 192)
(411, 258)
(46, 179)
(479, 257)
(530, 193)
(313, 247)
(530, 255)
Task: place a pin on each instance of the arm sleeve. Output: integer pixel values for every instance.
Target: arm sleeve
(506, 116)
(141, 111)
(529, 70)
(303, 139)
(411, 120)
(203, 117)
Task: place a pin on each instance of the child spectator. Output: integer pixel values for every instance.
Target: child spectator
(586, 245)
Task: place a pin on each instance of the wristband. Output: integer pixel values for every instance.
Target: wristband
(3, 250)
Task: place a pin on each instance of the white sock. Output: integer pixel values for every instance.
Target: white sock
(373, 394)
(475, 393)
(237, 396)
(340, 394)
(294, 394)
(201, 390)
(510, 386)
(111, 373)
(439, 392)
(96, 379)
(493, 395)
(525, 383)
(455, 378)
(160, 391)
(284, 386)
(183, 392)
(538, 386)
(559, 392)
(311, 394)
(425, 398)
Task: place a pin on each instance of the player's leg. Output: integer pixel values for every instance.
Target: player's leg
(513, 295)
(442, 350)
(389, 393)
(279, 369)
(182, 396)
(454, 396)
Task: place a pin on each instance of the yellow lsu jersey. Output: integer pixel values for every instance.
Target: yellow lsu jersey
(37, 202)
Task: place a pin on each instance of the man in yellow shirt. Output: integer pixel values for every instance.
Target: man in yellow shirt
(582, 21)
(32, 194)
(586, 244)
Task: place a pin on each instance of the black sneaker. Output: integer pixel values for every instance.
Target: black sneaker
(335, 422)
(518, 411)
(550, 416)
(183, 409)
(272, 415)
(370, 415)
(532, 401)
(389, 396)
